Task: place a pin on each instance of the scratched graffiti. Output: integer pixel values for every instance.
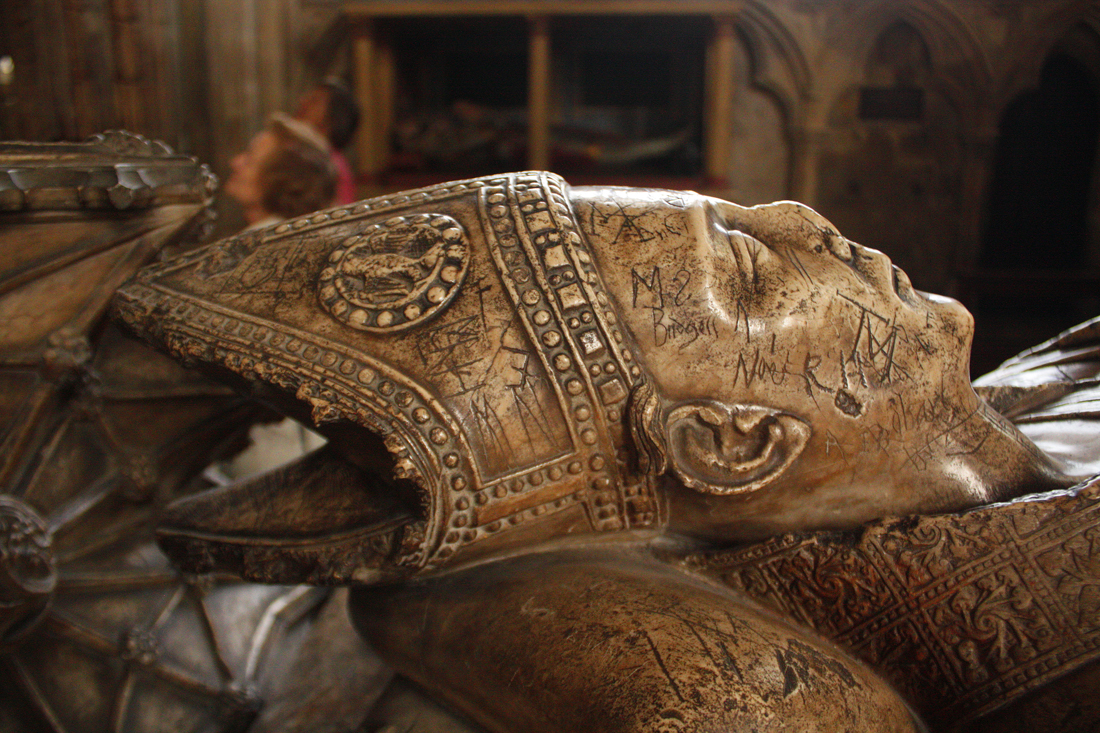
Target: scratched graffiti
(630, 220)
(867, 371)
(876, 346)
(626, 222)
(664, 296)
(465, 358)
(445, 353)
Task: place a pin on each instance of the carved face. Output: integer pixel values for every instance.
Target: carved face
(803, 381)
(244, 183)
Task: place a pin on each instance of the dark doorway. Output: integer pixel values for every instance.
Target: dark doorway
(1034, 277)
(1038, 202)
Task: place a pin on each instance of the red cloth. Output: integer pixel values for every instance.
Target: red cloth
(345, 180)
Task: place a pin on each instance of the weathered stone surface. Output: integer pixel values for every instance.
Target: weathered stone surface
(508, 368)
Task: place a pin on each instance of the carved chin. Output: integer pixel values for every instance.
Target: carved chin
(732, 449)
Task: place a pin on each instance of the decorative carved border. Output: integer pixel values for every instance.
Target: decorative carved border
(962, 612)
(113, 170)
(548, 272)
(426, 440)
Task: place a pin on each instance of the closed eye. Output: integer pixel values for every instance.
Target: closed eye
(750, 253)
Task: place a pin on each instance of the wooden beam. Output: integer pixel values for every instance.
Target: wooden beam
(538, 94)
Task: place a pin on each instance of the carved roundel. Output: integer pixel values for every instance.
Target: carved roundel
(396, 273)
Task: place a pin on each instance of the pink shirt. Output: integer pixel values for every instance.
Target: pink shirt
(345, 180)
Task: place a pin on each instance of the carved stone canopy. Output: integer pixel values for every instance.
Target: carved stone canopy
(113, 170)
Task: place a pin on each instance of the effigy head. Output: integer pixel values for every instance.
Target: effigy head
(798, 379)
(540, 361)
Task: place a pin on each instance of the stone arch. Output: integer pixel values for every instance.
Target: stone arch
(780, 63)
(1043, 168)
(772, 83)
(1039, 211)
(899, 51)
(1031, 44)
(1067, 48)
(963, 69)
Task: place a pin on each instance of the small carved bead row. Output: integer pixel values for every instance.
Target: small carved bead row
(259, 343)
(546, 224)
(639, 502)
(595, 329)
(466, 530)
(639, 510)
(532, 211)
(528, 484)
(376, 206)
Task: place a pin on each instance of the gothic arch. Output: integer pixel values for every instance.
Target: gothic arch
(1029, 48)
(891, 169)
(952, 46)
(779, 63)
(884, 54)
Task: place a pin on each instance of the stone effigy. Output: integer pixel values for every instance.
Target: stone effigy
(553, 411)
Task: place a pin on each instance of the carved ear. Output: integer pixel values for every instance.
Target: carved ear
(732, 449)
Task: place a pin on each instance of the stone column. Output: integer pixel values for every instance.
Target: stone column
(807, 141)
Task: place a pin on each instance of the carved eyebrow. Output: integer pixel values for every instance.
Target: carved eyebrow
(724, 213)
(840, 246)
(746, 250)
(750, 254)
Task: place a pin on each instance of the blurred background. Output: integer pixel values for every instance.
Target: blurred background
(959, 137)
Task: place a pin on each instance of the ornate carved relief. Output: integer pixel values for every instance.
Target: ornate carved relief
(397, 273)
(394, 268)
(28, 569)
(131, 172)
(961, 612)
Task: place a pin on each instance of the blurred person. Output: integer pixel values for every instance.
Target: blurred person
(284, 172)
(331, 109)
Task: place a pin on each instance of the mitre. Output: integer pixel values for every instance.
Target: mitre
(456, 346)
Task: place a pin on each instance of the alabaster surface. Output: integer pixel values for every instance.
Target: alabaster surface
(554, 411)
